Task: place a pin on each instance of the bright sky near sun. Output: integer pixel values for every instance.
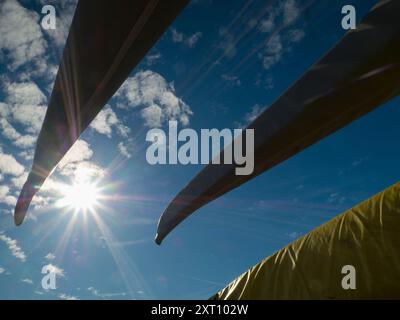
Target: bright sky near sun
(218, 66)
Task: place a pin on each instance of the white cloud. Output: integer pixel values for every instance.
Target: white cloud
(123, 130)
(79, 151)
(17, 139)
(23, 107)
(255, 111)
(27, 154)
(189, 41)
(280, 42)
(151, 91)
(30, 116)
(50, 256)
(21, 38)
(296, 35)
(228, 44)
(176, 36)
(5, 197)
(4, 190)
(24, 93)
(12, 245)
(38, 202)
(234, 80)
(153, 116)
(4, 110)
(76, 166)
(8, 165)
(267, 25)
(265, 82)
(64, 296)
(97, 293)
(50, 186)
(336, 198)
(193, 39)
(249, 117)
(19, 181)
(294, 235)
(273, 52)
(106, 120)
(152, 58)
(27, 280)
(2, 270)
(83, 172)
(123, 149)
(291, 11)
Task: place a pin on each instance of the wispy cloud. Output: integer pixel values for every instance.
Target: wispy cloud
(291, 11)
(13, 246)
(282, 38)
(176, 36)
(192, 40)
(294, 235)
(105, 295)
(27, 280)
(267, 25)
(336, 198)
(123, 149)
(228, 44)
(152, 58)
(189, 41)
(50, 256)
(214, 283)
(233, 80)
(64, 296)
(355, 164)
(250, 116)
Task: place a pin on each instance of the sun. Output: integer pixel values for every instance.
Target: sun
(80, 197)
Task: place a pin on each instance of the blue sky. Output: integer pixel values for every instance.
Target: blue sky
(217, 66)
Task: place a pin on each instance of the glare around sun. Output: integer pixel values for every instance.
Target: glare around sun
(80, 197)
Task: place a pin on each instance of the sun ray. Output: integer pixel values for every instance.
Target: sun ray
(80, 197)
(129, 272)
